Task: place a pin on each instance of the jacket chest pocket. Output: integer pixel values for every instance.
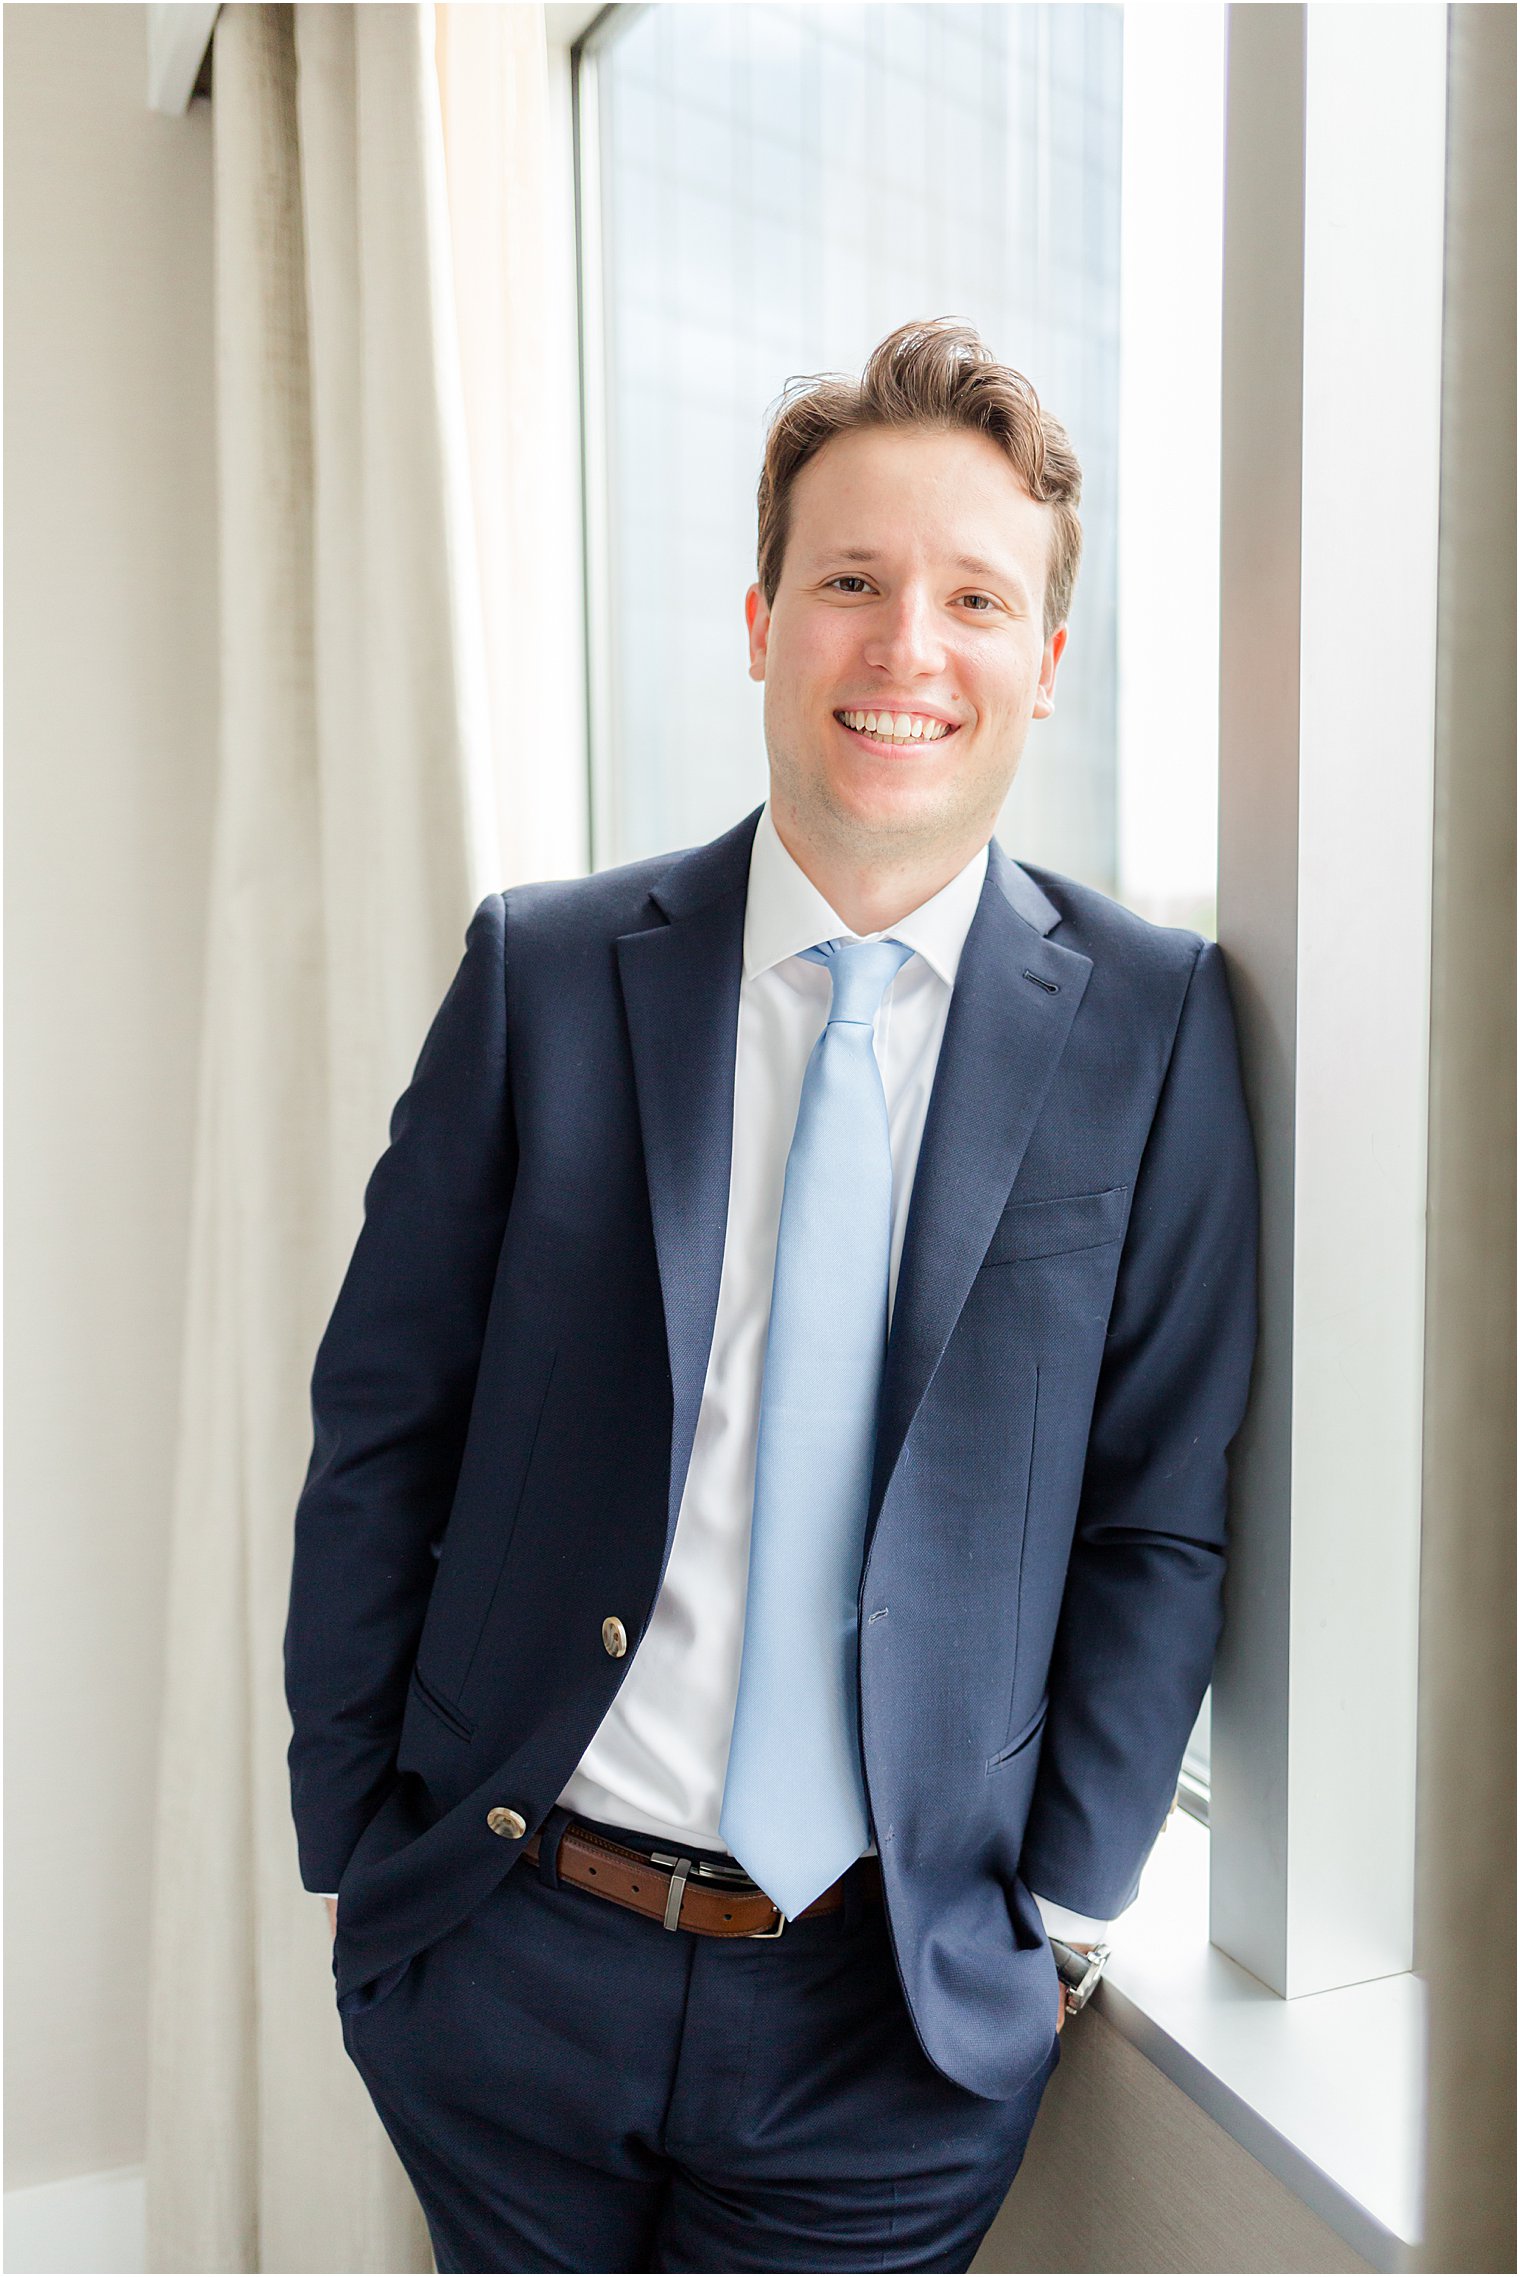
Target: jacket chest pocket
(1058, 1226)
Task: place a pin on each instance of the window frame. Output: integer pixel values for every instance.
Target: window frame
(605, 24)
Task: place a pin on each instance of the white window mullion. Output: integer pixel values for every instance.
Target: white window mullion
(1331, 442)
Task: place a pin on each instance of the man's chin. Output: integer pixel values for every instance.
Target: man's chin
(894, 815)
(873, 815)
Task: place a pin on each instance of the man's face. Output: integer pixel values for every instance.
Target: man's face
(913, 584)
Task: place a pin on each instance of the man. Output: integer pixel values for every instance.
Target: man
(761, 1556)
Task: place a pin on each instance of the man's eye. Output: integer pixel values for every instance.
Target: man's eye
(981, 597)
(848, 579)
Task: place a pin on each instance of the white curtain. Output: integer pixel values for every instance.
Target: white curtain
(356, 830)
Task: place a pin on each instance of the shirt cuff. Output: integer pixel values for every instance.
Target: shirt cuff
(333, 1894)
(1071, 1928)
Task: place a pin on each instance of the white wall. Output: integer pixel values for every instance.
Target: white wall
(110, 687)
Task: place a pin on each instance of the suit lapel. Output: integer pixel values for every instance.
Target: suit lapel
(1004, 1035)
(1015, 996)
(680, 979)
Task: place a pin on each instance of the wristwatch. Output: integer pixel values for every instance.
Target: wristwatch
(1078, 1971)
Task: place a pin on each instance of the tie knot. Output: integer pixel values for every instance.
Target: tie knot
(860, 972)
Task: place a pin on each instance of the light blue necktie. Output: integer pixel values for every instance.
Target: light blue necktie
(794, 1805)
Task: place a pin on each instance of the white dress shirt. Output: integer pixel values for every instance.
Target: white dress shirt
(658, 1759)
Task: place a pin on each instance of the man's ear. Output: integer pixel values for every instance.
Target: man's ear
(758, 618)
(1045, 700)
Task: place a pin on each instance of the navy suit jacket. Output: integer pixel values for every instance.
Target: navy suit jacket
(505, 1398)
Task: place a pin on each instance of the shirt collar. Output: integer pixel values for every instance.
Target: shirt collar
(785, 913)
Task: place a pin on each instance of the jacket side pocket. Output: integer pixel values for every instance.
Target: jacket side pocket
(1031, 1731)
(443, 1709)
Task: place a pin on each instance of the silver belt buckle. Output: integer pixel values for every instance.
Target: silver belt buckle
(681, 1871)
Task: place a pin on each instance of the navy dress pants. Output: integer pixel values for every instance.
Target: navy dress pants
(572, 2086)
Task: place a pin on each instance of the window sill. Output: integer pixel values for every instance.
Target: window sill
(1326, 2090)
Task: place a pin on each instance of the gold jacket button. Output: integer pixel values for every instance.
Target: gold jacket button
(512, 1824)
(614, 1636)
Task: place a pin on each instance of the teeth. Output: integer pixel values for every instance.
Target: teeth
(896, 727)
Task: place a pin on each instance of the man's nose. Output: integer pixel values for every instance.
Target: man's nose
(907, 637)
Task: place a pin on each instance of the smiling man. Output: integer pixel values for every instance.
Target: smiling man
(761, 1556)
(903, 585)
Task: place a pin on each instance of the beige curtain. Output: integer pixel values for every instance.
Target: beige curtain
(356, 830)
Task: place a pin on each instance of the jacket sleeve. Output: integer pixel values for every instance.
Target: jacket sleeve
(1142, 1608)
(390, 1397)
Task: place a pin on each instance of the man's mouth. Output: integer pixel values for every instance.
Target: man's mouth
(896, 731)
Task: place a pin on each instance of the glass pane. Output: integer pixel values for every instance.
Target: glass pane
(782, 186)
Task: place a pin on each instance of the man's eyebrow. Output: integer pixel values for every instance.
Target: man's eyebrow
(970, 562)
(994, 571)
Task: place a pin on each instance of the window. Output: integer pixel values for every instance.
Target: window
(767, 191)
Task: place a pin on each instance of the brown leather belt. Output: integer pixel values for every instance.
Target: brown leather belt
(684, 1894)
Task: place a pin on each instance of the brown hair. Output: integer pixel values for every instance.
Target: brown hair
(939, 374)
